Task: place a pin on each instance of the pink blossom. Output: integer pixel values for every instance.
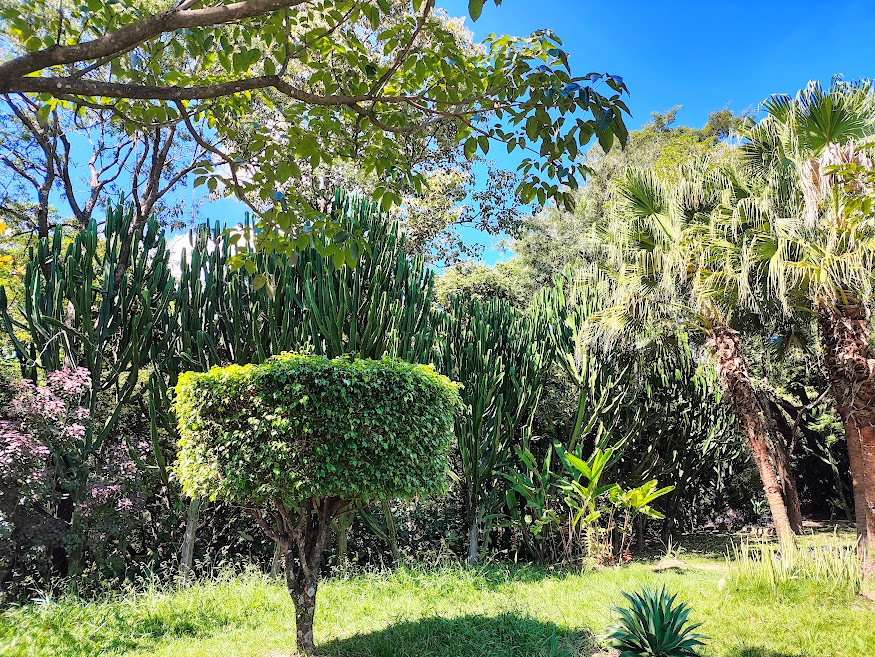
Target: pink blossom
(69, 382)
(76, 431)
(21, 457)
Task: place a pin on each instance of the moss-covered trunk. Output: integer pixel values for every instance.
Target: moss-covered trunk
(750, 418)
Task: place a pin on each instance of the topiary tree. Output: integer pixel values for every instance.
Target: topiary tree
(297, 439)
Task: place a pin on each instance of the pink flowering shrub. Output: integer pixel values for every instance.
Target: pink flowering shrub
(56, 476)
(40, 444)
(115, 483)
(54, 414)
(95, 490)
(23, 468)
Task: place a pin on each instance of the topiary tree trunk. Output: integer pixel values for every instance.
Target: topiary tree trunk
(301, 536)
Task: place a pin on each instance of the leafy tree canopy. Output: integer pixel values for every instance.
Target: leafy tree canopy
(556, 237)
(298, 427)
(351, 78)
(471, 280)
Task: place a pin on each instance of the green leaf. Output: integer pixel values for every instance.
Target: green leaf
(475, 8)
(470, 148)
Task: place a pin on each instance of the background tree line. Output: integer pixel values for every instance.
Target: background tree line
(588, 360)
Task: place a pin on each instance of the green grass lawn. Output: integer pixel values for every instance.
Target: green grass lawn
(494, 611)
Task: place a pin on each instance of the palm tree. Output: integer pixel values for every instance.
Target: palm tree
(819, 254)
(678, 264)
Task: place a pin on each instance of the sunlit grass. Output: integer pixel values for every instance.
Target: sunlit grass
(448, 611)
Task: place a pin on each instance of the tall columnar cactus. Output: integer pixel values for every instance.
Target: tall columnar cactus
(501, 357)
(570, 308)
(77, 316)
(378, 308)
(655, 407)
(382, 305)
(684, 434)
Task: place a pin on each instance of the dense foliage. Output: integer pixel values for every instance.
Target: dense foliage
(299, 427)
(645, 364)
(684, 342)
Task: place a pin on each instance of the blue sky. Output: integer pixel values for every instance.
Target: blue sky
(701, 55)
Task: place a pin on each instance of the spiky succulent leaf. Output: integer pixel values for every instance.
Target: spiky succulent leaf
(654, 626)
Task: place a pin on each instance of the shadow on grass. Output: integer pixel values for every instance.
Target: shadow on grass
(507, 635)
(761, 652)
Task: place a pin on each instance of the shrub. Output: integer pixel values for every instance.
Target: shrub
(654, 626)
(306, 436)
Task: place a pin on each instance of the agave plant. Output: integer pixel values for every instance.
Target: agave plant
(654, 626)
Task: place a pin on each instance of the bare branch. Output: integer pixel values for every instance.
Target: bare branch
(232, 166)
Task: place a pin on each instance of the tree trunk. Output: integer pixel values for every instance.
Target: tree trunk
(750, 418)
(186, 556)
(867, 442)
(344, 522)
(302, 535)
(858, 469)
(788, 483)
(391, 532)
(276, 563)
(850, 362)
(302, 584)
(827, 458)
(473, 544)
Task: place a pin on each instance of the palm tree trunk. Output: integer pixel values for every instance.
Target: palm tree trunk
(750, 421)
(867, 442)
(858, 470)
(788, 482)
(850, 362)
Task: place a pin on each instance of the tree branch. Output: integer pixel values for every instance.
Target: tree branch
(112, 44)
(186, 117)
(402, 56)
